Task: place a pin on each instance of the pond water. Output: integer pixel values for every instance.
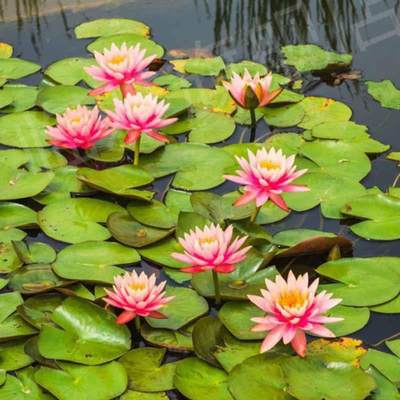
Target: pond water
(42, 31)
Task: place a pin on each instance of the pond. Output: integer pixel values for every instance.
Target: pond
(42, 31)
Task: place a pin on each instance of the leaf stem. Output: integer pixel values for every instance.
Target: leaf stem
(395, 336)
(216, 288)
(253, 124)
(396, 180)
(137, 152)
(137, 324)
(255, 214)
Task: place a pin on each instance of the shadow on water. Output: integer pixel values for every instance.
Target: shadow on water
(42, 30)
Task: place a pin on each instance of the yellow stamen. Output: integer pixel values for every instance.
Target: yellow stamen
(207, 240)
(137, 286)
(117, 59)
(292, 299)
(267, 164)
(76, 120)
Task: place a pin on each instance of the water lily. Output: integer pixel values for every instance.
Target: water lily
(251, 92)
(120, 67)
(265, 176)
(212, 248)
(79, 128)
(293, 308)
(138, 295)
(138, 114)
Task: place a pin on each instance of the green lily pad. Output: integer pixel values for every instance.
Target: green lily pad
(390, 307)
(38, 310)
(197, 166)
(207, 383)
(248, 278)
(385, 390)
(130, 39)
(6, 50)
(387, 364)
(132, 233)
(258, 368)
(310, 379)
(160, 253)
(320, 109)
(240, 67)
(236, 316)
(94, 261)
(145, 372)
(9, 260)
(155, 214)
(70, 71)
(9, 303)
(204, 66)
(134, 395)
(177, 341)
(386, 93)
(101, 382)
(172, 82)
(23, 387)
(380, 214)
(24, 97)
(363, 282)
(89, 334)
(121, 180)
(13, 356)
(309, 57)
(15, 68)
(56, 99)
(64, 183)
(285, 116)
(35, 253)
(5, 99)
(184, 308)
(394, 346)
(14, 327)
(34, 278)
(13, 215)
(110, 26)
(84, 219)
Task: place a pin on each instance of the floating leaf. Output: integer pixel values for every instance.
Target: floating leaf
(15, 68)
(24, 97)
(309, 57)
(35, 252)
(93, 261)
(134, 395)
(204, 66)
(15, 327)
(6, 50)
(394, 346)
(106, 381)
(56, 99)
(172, 82)
(9, 303)
(184, 308)
(121, 180)
(132, 233)
(208, 382)
(130, 39)
(240, 67)
(160, 253)
(89, 334)
(83, 223)
(13, 356)
(13, 215)
(285, 116)
(9, 260)
(145, 372)
(110, 26)
(385, 93)
(387, 364)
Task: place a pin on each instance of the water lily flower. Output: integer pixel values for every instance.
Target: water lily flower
(293, 308)
(79, 128)
(138, 114)
(212, 248)
(251, 92)
(120, 67)
(138, 296)
(266, 175)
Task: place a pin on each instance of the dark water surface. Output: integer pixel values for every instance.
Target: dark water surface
(42, 31)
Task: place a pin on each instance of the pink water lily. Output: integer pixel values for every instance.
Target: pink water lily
(120, 67)
(266, 175)
(79, 128)
(211, 248)
(251, 92)
(138, 296)
(293, 308)
(140, 114)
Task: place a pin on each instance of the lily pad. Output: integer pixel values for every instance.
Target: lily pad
(9, 260)
(121, 180)
(380, 214)
(13, 356)
(35, 253)
(132, 233)
(172, 82)
(6, 50)
(94, 261)
(101, 382)
(131, 39)
(364, 281)
(89, 334)
(184, 308)
(13, 215)
(145, 372)
(56, 99)
(14, 327)
(208, 382)
(24, 97)
(110, 26)
(387, 364)
(84, 219)
(134, 395)
(285, 116)
(240, 67)
(385, 93)
(160, 253)
(204, 66)
(9, 303)
(197, 166)
(309, 57)
(15, 68)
